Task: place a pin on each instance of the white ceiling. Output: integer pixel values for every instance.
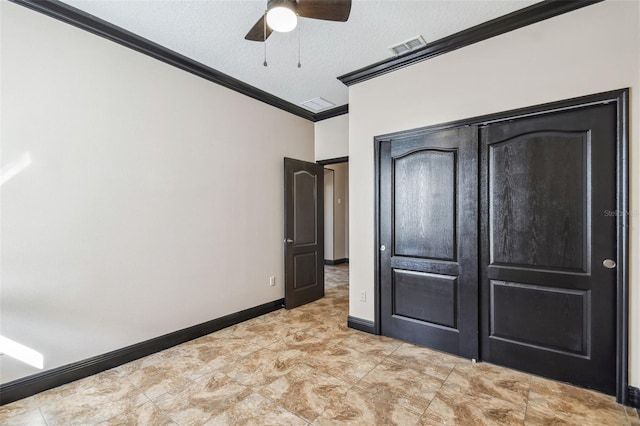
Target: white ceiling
(212, 32)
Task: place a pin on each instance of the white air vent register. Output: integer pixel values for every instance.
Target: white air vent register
(317, 104)
(408, 45)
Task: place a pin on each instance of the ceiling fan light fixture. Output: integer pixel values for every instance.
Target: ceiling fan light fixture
(281, 19)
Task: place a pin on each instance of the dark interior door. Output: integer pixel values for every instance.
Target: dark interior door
(304, 232)
(549, 246)
(428, 240)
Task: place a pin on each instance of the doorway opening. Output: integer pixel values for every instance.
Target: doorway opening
(336, 220)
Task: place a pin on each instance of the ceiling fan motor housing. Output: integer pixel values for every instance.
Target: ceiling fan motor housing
(290, 4)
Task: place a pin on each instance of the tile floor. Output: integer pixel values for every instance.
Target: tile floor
(305, 366)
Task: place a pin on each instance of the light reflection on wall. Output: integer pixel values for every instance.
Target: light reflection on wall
(13, 168)
(7, 346)
(21, 353)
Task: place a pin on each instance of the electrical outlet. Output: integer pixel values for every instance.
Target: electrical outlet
(272, 281)
(363, 296)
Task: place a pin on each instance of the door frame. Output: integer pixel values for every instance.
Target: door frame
(325, 163)
(333, 214)
(333, 161)
(621, 99)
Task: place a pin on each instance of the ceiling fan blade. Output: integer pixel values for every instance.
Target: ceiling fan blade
(328, 10)
(256, 33)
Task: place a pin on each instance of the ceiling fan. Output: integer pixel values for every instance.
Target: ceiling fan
(282, 15)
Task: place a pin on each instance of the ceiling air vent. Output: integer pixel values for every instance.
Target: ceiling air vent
(317, 104)
(408, 46)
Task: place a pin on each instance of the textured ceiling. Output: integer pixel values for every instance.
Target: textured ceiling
(212, 32)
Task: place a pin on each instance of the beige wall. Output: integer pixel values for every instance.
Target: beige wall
(148, 193)
(340, 210)
(332, 138)
(591, 50)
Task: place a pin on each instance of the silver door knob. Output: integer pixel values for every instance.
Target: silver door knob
(609, 263)
(382, 248)
(289, 241)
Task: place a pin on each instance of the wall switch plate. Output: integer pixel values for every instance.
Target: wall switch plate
(272, 281)
(363, 296)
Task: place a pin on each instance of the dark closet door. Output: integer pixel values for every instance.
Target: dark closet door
(304, 232)
(548, 232)
(428, 240)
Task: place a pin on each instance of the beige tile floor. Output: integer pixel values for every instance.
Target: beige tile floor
(305, 366)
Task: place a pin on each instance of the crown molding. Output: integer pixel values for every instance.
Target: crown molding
(80, 19)
(76, 17)
(503, 24)
(333, 112)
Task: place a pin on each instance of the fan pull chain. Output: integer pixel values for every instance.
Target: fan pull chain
(264, 19)
(299, 64)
